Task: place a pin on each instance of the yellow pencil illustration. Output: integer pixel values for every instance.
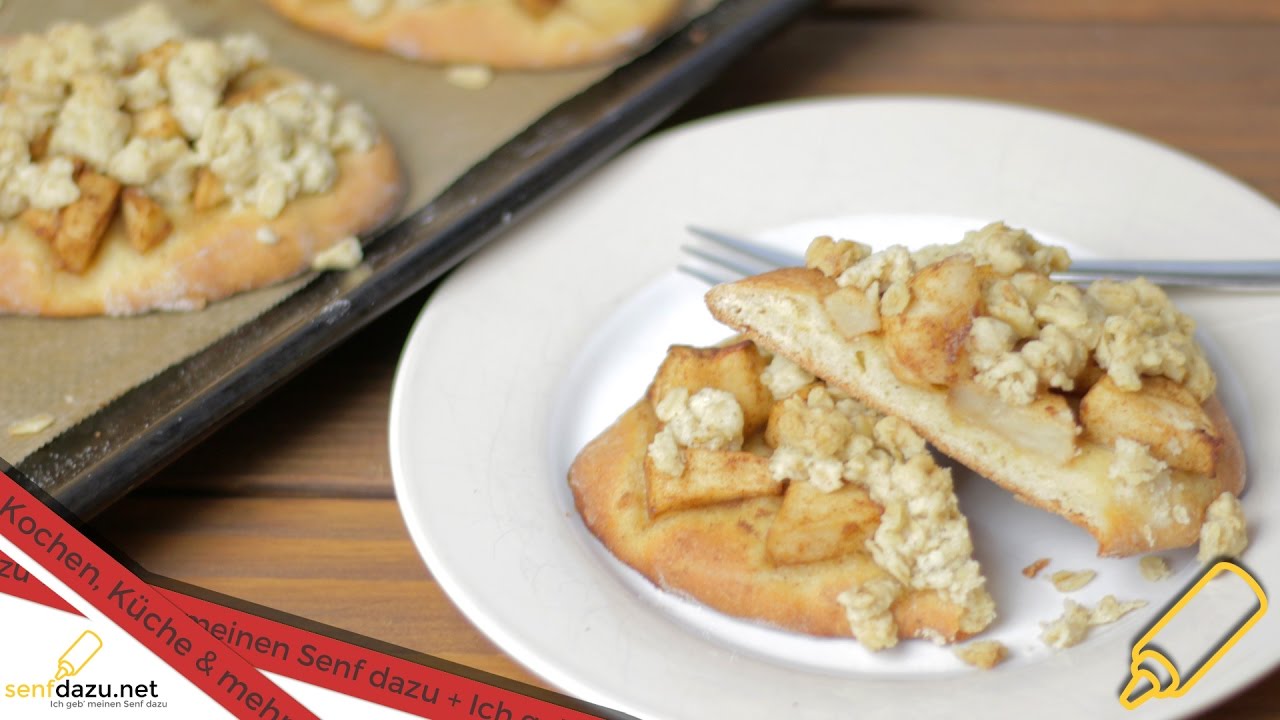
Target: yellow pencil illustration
(79, 654)
(1154, 673)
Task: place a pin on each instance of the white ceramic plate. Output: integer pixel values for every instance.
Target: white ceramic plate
(537, 344)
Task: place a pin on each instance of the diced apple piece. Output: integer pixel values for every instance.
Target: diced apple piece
(1163, 415)
(159, 56)
(710, 477)
(852, 312)
(145, 222)
(812, 525)
(257, 89)
(926, 342)
(157, 123)
(1045, 426)
(735, 369)
(84, 221)
(209, 192)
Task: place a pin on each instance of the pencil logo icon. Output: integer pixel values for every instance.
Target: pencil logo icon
(78, 655)
(1154, 671)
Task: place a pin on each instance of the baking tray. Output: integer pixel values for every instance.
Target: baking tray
(102, 458)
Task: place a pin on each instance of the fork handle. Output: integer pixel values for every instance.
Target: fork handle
(1220, 274)
(1232, 269)
(1216, 282)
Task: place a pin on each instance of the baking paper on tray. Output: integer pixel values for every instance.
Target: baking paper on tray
(68, 369)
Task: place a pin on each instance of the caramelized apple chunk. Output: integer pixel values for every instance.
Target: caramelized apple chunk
(735, 369)
(926, 340)
(1162, 415)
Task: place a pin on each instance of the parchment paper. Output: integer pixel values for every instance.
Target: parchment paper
(71, 368)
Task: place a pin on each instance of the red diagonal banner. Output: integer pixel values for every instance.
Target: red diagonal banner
(241, 641)
(132, 604)
(360, 672)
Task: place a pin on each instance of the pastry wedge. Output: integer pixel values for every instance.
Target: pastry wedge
(748, 485)
(1094, 404)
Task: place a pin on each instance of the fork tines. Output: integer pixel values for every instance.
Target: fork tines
(724, 257)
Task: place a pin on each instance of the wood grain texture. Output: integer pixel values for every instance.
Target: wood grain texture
(1066, 11)
(340, 561)
(1210, 91)
(291, 505)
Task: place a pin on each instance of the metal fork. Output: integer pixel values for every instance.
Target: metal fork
(749, 258)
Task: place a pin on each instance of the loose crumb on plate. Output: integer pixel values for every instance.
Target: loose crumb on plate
(984, 654)
(31, 425)
(1109, 610)
(1073, 626)
(1034, 568)
(1069, 629)
(1071, 580)
(1154, 568)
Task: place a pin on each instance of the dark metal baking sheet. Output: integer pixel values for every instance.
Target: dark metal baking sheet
(102, 458)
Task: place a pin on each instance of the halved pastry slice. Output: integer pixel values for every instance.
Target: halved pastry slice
(1096, 404)
(743, 482)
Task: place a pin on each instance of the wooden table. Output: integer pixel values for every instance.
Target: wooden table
(291, 506)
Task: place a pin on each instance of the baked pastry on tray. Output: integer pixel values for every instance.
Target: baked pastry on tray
(745, 483)
(142, 168)
(499, 33)
(1096, 404)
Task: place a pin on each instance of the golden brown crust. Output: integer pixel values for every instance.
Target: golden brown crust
(717, 555)
(499, 34)
(1079, 490)
(1231, 462)
(208, 254)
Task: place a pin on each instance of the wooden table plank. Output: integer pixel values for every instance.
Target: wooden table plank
(1068, 11)
(1210, 91)
(339, 561)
